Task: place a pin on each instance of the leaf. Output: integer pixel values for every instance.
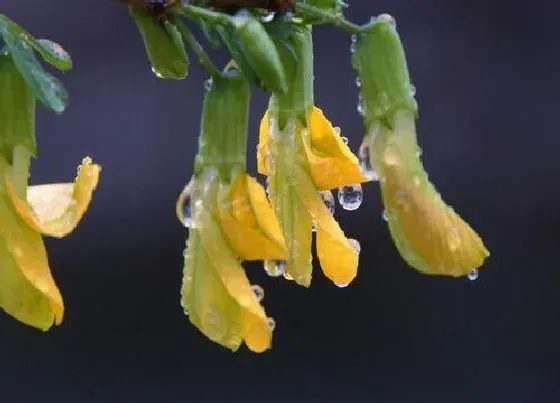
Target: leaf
(52, 52)
(164, 45)
(48, 89)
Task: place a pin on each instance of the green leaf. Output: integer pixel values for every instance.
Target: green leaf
(164, 45)
(17, 111)
(51, 52)
(49, 90)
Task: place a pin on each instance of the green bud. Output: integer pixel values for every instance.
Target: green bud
(164, 45)
(17, 111)
(225, 123)
(383, 73)
(260, 52)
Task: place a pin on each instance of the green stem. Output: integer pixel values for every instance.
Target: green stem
(197, 48)
(21, 160)
(337, 19)
(210, 16)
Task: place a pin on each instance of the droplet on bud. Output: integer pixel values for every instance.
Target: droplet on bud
(473, 274)
(365, 162)
(274, 268)
(412, 90)
(183, 209)
(259, 292)
(328, 199)
(388, 18)
(208, 83)
(355, 244)
(350, 197)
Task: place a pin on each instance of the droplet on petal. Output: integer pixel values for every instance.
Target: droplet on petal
(355, 244)
(350, 197)
(275, 268)
(259, 292)
(271, 323)
(472, 275)
(365, 162)
(384, 216)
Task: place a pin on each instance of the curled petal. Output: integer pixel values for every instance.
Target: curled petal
(249, 222)
(331, 162)
(338, 258)
(430, 236)
(56, 209)
(27, 289)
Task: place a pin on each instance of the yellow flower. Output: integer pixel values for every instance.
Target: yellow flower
(28, 291)
(231, 221)
(428, 233)
(301, 161)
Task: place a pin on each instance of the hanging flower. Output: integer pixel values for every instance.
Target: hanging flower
(28, 291)
(302, 154)
(428, 233)
(231, 220)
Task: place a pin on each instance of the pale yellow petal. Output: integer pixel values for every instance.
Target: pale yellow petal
(52, 211)
(263, 151)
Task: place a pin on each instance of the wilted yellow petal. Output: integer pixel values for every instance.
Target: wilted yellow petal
(331, 162)
(430, 236)
(339, 260)
(27, 289)
(56, 209)
(248, 221)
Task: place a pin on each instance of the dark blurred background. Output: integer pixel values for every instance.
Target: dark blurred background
(488, 86)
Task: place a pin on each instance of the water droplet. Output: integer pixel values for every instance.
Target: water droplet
(412, 90)
(271, 323)
(268, 17)
(358, 82)
(313, 226)
(384, 216)
(355, 244)
(259, 292)
(328, 199)
(419, 152)
(387, 18)
(354, 44)
(185, 252)
(341, 285)
(208, 84)
(361, 109)
(337, 130)
(274, 268)
(183, 210)
(365, 162)
(345, 140)
(287, 276)
(350, 197)
(473, 274)
(157, 73)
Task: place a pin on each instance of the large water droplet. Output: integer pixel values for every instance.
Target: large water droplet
(365, 162)
(355, 244)
(473, 274)
(274, 268)
(184, 206)
(157, 73)
(271, 323)
(328, 199)
(259, 292)
(350, 197)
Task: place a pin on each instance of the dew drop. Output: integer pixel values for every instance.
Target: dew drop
(365, 162)
(384, 216)
(354, 44)
(184, 206)
(274, 268)
(361, 109)
(473, 274)
(345, 140)
(208, 84)
(157, 73)
(412, 90)
(328, 199)
(387, 18)
(337, 130)
(259, 292)
(271, 323)
(358, 82)
(419, 152)
(268, 17)
(355, 244)
(350, 197)
(287, 276)
(341, 285)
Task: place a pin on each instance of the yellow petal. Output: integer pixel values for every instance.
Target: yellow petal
(331, 162)
(263, 152)
(430, 236)
(339, 260)
(57, 209)
(248, 221)
(27, 289)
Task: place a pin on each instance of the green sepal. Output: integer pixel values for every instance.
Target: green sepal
(50, 51)
(48, 89)
(17, 111)
(332, 6)
(380, 61)
(260, 51)
(224, 124)
(164, 45)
